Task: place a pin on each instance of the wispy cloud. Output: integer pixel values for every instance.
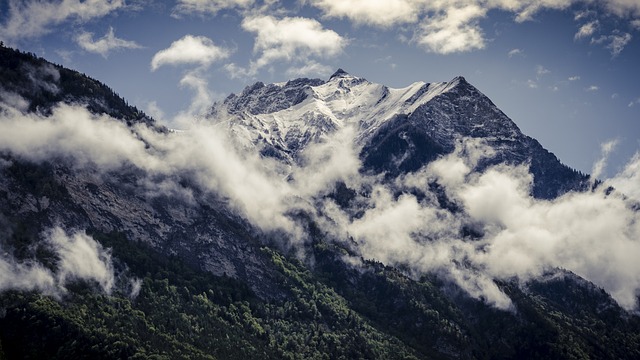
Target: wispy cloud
(515, 52)
(615, 42)
(541, 70)
(574, 78)
(103, 46)
(587, 30)
(522, 237)
(592, 88)
(32, 18)
(208, 7)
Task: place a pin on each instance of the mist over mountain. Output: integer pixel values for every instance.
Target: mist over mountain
(315, 218)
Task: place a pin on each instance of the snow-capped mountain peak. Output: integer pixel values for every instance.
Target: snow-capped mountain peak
(287, 116)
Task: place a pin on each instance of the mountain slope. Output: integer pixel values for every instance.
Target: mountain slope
(398, 130)
(203, 265)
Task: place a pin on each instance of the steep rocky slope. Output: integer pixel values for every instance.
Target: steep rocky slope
(194, 275)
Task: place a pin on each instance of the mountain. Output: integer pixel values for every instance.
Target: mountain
(399, 130)
(257, 235)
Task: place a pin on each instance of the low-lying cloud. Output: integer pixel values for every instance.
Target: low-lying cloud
(79, 257)
(594, 234)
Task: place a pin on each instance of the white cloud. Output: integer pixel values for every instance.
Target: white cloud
(628, 179)
(636, 24)
(634, 102)
(574, 78)
(592, 88)
(523, 237)
(452, 26)
(599, 166)
(198, 50)
(34, 18)
(587, 30)
(615, 42)
(208, 6)
(514, 52)
(541, 70)
(203, 98)
(79, 258)
(310, 69)
(623, 8)
(70, 131)
(454, 30)
(372, 12)
(290, 39)
(105, 44)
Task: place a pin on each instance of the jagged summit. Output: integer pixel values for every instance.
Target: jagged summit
(339, 73)
(399, 129)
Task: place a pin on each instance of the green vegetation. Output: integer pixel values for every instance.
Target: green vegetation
(184, 313)
(334, 311)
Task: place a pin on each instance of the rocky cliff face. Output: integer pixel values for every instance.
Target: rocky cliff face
(295, 259)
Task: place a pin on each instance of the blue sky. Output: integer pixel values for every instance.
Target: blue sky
(566, 71)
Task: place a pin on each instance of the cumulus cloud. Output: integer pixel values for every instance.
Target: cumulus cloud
(79, 257)
(377, 13)
(454, 30)
(623, 8)
(211, 7)
(35, 18)
(290, 39)
(574, 78)
(193, 50)
(103, 46)
(448, 27)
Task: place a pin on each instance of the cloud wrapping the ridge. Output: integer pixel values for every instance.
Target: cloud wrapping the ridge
(79, 258)
(103, 46)
(291, 39)
(198, 50)
(71, 132)
(593, 234)
(35, 18)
